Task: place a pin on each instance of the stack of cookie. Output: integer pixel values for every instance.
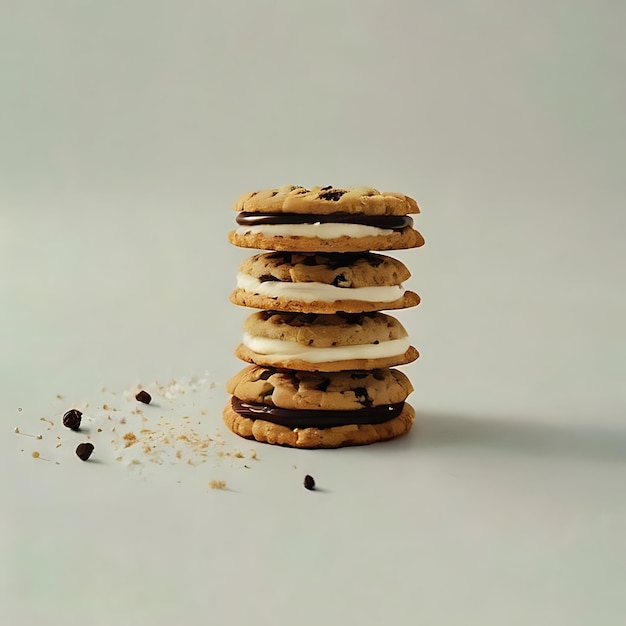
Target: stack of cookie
(320, 348)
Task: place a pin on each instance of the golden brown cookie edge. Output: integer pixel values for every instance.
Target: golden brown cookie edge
(241, 297)
(400, 240)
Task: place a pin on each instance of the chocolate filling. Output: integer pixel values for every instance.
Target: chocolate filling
(392, 222)
(312, 418)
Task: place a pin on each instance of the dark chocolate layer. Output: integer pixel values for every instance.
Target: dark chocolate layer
(316, 418)
(392, 222)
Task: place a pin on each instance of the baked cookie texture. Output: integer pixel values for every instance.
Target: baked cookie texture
(334, 437)
(293, 277)
(326, 200)
(336, 391)
(399, 240)
(325, 331)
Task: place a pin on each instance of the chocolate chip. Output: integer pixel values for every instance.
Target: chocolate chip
(326, 188)
(84, 450)
(323, 386)
(309, 482)
(309, 260)
(267, 278)
(342, 259)
(362, 396)
(72, 418)
(358, 375)
(144, 396)
(333, 195)
(352, 318)
(341, 281)
(265, 374)
(375, 261)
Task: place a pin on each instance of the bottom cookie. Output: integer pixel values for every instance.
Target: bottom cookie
(334, 437)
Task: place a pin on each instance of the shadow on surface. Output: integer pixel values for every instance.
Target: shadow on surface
(518, 436)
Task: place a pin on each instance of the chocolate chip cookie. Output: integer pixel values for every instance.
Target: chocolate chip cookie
(325, 342)
(323, 282)
(328, 218)
(318, 410)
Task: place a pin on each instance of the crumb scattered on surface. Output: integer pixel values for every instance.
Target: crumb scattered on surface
(130, 438)
(178, 435)
(217, 484)
(19, 409)
(16, 430)
(35, 455)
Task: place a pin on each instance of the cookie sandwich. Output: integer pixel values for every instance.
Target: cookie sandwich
(327, 218)
(318, 409)
(325, 342)
(323, 282)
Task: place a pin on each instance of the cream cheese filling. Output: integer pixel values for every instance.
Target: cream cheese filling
(317, 292)
(295, 350)
(319, 230)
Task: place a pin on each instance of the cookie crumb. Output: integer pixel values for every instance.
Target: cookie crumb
(217, 484)
(309, 482)
(19, 409)
(130, 438)
(35, 454)
(72, 419)
(84, 450)
(143, 396)
(16, 430)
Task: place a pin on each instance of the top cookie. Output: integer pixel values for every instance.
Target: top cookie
(327, 219)
(326, 200)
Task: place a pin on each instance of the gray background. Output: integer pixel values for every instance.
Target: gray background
(128, 129)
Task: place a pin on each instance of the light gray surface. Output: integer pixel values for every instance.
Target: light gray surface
(127, 131)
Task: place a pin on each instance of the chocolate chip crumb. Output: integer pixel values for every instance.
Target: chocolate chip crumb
(309, 482)
(144, 396)
(84, 450)
(72, 418)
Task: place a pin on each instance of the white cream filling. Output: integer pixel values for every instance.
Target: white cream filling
(319, 230)
(295, 350)
(317, 292)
